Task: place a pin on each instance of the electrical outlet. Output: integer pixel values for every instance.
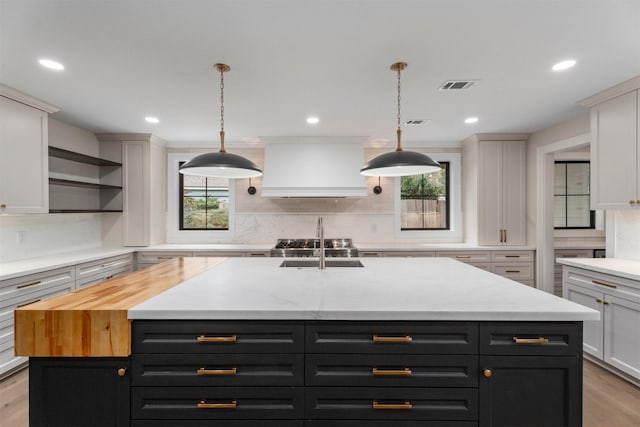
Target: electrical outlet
(21, 236)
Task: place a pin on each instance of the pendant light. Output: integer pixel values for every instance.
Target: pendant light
(400, 162)
(221, 164)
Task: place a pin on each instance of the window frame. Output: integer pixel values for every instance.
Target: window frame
(455, 233)
(174, 234)
(181, 226)
(592, 213)
(448, 200)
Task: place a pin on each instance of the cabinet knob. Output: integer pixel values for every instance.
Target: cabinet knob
(632, 202)
(487, 373)
(3, 206)
(637, 202)
(122, 372)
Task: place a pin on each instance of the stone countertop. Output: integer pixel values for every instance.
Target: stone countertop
(402, 246)
(615, 266)
(384, 289)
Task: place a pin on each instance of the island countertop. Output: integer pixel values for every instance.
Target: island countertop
(384, 289)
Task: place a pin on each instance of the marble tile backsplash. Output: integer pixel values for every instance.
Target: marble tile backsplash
(31, 236)
(627, 234)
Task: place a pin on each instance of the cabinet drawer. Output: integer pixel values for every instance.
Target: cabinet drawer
(392, 337)
(514, 271)
(218, 370)
(218, 254)
(531, 338)
(383, 370)
(466, 256)
(218, 423)
(363, 403)
(158, 257)
(512, 256)
(391, 423)
(159, 336)
(104, 275)
(8, 306)
(34, 283)
(486, 266)
(102, 267)
(222, 403)
(617, 286)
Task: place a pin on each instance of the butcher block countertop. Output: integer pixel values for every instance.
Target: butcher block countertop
(93, 322)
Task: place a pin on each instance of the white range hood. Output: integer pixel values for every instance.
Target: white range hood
(313, 167)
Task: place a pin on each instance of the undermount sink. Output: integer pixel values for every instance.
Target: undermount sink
(301, 263)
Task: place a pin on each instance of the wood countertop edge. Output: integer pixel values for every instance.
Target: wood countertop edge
(93, 322)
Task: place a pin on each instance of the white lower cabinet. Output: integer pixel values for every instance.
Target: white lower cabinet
(93, 272)
(613, 339)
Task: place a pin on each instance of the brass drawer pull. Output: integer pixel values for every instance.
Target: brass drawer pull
(379, 339)
(597, 282)
(539, 340)
(512, 256)
(392, 406)
(122, 372)
(203, 371)
(231, 338)
(606, 302)
(164, 257)
(598, 300)
(26, 285)
(110, 264)
(204, 405)
(487, 373)
(27, 303)
(391, 372)
(512, 271)
(463, 256)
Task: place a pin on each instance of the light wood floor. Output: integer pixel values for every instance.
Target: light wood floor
(608, 400)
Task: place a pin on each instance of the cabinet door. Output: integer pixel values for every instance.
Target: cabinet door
(614, 152)
(592, 330)
(514, 162)
(534, 391)
(23, 140)
(621, 338)
(490, 197)
(79, 392)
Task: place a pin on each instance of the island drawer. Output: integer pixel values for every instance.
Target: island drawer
(365, 403)
(386, 423)
(392, 337)
(218, 370)
(383, 370)
(210, 336)
(225, 423)
(219, 403)
(531, 338)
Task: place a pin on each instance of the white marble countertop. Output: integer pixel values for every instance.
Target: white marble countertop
(198, 247)
(384, 289)
(615, 266)
(402, 246)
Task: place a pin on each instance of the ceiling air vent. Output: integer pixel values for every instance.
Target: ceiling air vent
(417, 122)
(458, 85)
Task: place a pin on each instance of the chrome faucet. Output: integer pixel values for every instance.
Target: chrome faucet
(320, 236)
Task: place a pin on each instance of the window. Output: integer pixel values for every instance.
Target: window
(572, 196)
(204, 203)
(424, 201)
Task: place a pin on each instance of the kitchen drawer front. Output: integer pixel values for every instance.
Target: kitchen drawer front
(210, 336)
(158, 257)
(409, 254)
(8, 306)
(486, 266)
(369, 254)
(512, 256)
(531, 338)
(364, 403)
(102, 266)
(218, 370)
(514, 271)
(392, 423)
(392, 337)
(218, 254)
(466, 256)
(104, 275)
(22, 286)
(384, 370)
(217, 403)
(617, 286)
(217, 423)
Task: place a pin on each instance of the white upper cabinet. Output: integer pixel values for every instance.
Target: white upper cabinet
(615, 118)
(496, 202)
(24, 169)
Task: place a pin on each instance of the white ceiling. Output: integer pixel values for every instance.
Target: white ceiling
(330, 58)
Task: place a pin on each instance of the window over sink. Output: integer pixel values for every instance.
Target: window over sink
(204, 203)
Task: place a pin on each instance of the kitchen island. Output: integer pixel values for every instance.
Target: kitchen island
(397, 342)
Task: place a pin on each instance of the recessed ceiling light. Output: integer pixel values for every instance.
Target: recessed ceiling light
(564, 65)
(51, 64)
(470, 120)
(151, 119)
(313, 120)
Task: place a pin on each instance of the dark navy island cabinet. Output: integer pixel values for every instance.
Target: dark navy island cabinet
(320, 374)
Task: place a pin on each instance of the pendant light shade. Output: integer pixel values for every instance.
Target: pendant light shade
(221, 164)
(400, 162)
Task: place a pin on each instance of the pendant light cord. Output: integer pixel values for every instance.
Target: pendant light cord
(222, 150)
(399, 131)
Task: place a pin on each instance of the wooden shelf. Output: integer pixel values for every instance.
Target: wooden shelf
(83, 210)
(82, 184)
(80, 158)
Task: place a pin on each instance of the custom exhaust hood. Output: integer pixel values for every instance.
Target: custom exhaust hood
(313, 167)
